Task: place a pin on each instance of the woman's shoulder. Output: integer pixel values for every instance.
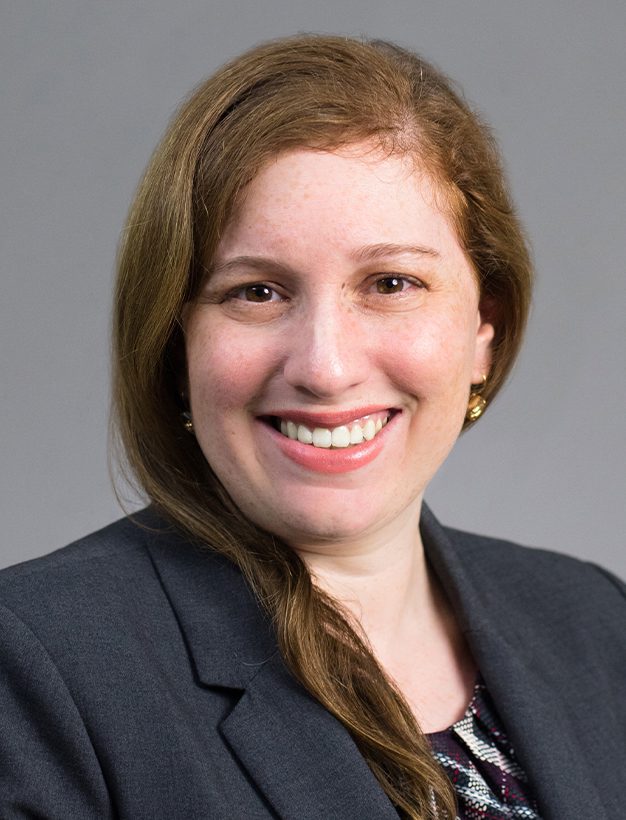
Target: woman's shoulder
(104, 556)
(84, 588)
(122, 584)
(540, 596)
(119, 551)
(553, 604)
(108, 583)
(513, 563)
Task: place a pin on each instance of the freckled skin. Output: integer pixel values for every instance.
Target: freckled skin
(329, 340)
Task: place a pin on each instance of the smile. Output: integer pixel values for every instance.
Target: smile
(341, 437)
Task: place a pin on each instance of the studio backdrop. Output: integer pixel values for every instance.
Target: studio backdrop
(86, 91)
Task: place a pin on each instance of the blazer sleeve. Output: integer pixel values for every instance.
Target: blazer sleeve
(617, 582)
(48, 766)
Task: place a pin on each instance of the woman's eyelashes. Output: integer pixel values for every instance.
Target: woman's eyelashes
(393, 283)
(258, 292)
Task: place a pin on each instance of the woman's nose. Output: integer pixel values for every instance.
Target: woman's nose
(327, 352)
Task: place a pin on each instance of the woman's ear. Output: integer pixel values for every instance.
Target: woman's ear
(485, 332)
(178, 361)
(182, 382)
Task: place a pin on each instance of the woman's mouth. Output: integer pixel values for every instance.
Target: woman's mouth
(332, 442)
(341, 436)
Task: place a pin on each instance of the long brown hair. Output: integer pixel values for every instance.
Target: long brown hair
(320, 92)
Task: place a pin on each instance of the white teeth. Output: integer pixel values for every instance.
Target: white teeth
(322, 437)
(369, 429)
(356, 434)
(341, 437)
(305, 436)
(346, 435)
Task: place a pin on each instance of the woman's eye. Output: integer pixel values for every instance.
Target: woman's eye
(255, 293)
(393, 284)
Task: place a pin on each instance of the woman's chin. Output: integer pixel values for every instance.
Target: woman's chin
(328, 534)
(305, 524)
(328, 528)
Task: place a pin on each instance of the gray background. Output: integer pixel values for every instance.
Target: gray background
(86, 90)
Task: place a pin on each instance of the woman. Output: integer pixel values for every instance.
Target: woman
(321, 282)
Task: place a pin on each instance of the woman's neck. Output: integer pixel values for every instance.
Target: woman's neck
(385, 583)
(381, 579)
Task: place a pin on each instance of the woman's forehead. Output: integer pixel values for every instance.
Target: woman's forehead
(363, 178)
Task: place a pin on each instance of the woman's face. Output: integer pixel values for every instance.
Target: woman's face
(339, 300)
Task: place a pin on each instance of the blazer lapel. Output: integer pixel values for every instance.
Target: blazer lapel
(300, 757)
(541, 733)
(305, 762)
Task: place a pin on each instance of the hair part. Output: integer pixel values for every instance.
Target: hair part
(318, 92)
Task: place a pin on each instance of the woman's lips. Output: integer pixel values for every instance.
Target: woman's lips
(326, 457)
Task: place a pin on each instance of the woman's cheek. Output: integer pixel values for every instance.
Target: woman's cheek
(228, 369)
(429, 356)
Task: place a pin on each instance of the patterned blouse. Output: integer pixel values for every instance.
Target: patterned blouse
(479, 760)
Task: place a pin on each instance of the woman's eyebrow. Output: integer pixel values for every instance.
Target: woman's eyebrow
(252, 262)
(369, 253)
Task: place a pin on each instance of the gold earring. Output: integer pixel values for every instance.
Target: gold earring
(187, 421)
(476, 404)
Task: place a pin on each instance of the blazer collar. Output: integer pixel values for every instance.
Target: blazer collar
(228, 635)
(300, 756)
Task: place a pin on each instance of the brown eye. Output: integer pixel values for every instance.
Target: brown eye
(390, 284)
(257, 293)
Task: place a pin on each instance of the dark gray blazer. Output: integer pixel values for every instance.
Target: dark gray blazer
(139, 679)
